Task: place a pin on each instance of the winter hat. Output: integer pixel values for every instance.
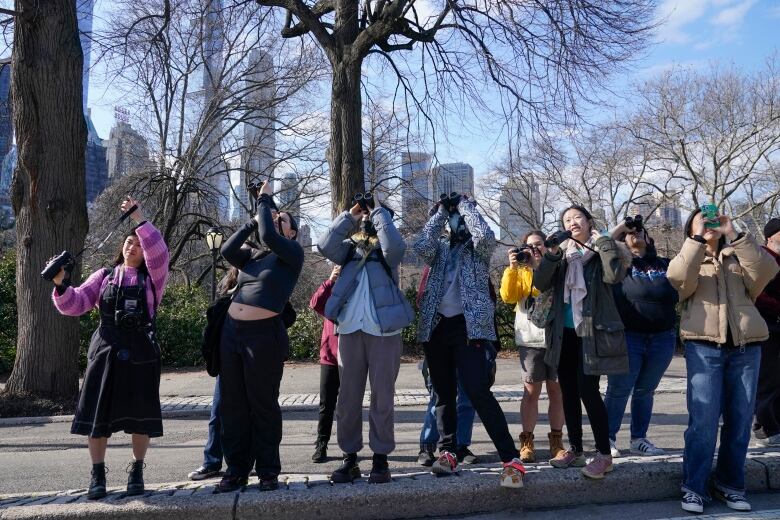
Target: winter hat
(772, 227)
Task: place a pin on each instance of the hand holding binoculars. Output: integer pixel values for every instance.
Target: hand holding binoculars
(451, 201)
(557, 238)
(365, 200)
(635, 224)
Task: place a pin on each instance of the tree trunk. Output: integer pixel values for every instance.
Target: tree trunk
(345, 154)
(48, 189)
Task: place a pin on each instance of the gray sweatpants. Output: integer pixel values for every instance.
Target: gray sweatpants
(379, 358)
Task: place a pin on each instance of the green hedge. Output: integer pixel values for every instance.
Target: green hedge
(7, 311)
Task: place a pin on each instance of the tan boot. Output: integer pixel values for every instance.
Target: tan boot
(527, 453)
(556, 443)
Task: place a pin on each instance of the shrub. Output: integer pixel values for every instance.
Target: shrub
(7, 311)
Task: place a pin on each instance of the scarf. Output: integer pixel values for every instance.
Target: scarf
(574, 290)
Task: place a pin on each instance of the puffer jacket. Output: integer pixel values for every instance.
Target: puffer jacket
(603, 338)
(517, 288)
(478, 306)
(392, 308)
(719, 293)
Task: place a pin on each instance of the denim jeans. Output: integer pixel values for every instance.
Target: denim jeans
(649, 356)
(429, 435)
(212, 453)
(720, 382)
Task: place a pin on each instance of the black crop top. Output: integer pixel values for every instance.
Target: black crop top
(264, 281)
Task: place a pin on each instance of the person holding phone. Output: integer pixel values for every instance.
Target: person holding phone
(718, 275)
(121, 388)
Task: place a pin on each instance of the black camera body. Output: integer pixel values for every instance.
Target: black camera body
(63, 260)
(635, 224)
(450, 202)
(523, 253)
(364, 200)
(128, 320)
(557, 238)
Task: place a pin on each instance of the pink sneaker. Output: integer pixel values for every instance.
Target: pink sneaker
(598, 467)
(512, 475)
(446, 464)
(568, 458)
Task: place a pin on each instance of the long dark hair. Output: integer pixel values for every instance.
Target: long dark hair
(581, 209)
(119, 259)
(228, 281)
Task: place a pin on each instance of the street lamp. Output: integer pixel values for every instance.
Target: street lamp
(214, 242)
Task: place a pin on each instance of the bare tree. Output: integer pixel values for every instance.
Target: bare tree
(48, 188)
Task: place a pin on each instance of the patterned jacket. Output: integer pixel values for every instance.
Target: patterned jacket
(478, 307)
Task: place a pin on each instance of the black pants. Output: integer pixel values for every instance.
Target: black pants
(253, 355)
(329, 392)
(450, 356)
(576, 386)
(768, 394)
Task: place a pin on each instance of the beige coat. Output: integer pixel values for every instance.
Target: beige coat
(718, 292)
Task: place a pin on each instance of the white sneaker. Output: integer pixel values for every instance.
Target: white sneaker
(613, 449)
(645, 447)
(692, 503)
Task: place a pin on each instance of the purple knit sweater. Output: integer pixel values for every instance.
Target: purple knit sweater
(76, 301)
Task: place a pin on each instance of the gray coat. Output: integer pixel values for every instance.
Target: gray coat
(603, 338)
(392, 307)
(478, 307)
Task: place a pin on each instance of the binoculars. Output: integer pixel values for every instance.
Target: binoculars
(63, 260)
(557, 238)
(253, 189)
(450, 202)
(635, 224)
(364, 200)
(522, 253)
(709, 212)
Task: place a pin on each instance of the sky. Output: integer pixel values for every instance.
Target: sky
(694, 33)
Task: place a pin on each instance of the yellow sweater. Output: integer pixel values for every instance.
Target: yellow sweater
(516, 284)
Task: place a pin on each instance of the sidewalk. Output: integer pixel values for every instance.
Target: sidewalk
(410, 495)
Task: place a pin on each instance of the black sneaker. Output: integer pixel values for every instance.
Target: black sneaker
(230, 483)
(348, 471)
(465, 456)
(269, 483)
(135, 478)
(380, 472)
(692, 503)
(426, 458)
(320, 452)
(97, 484)
(202, 473)
(732, 500)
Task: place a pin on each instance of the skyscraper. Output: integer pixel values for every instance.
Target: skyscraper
(446, 178)
(259, 154)
(519, 209)
(84, 13)
(128, 151)
(415, 194)
(287, 193)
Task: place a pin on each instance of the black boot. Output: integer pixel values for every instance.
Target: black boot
(380, 472)
(320, 452)
(348, 471)
(97, 485)
(135, 478)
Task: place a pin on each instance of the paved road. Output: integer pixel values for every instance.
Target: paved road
(46, 457)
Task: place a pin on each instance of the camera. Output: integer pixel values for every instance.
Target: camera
(128, 320)
(635, 224)
(253, 189)
(523, 253)
(709, 212)
(450, 202)
(364, 200)
(557, 238)
(63, 260)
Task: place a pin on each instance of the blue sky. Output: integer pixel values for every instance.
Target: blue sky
(695, 34)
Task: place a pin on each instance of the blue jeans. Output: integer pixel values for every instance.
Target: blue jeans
(212, 454)
(429, 435)
(649, 356)
(720, 382)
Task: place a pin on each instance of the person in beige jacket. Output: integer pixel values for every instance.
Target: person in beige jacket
(718, 274)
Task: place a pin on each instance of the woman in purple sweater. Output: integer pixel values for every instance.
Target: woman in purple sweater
(121, 389)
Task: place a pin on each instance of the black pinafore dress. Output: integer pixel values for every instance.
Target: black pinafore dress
(121, 389)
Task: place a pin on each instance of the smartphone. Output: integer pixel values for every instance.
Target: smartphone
(709, 212)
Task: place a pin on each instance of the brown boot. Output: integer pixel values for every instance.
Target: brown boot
(527, 453)
(556, 443)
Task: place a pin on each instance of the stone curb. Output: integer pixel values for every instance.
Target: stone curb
(200, 406)
(410, 495)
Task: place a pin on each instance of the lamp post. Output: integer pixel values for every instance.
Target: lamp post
(214, 242)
